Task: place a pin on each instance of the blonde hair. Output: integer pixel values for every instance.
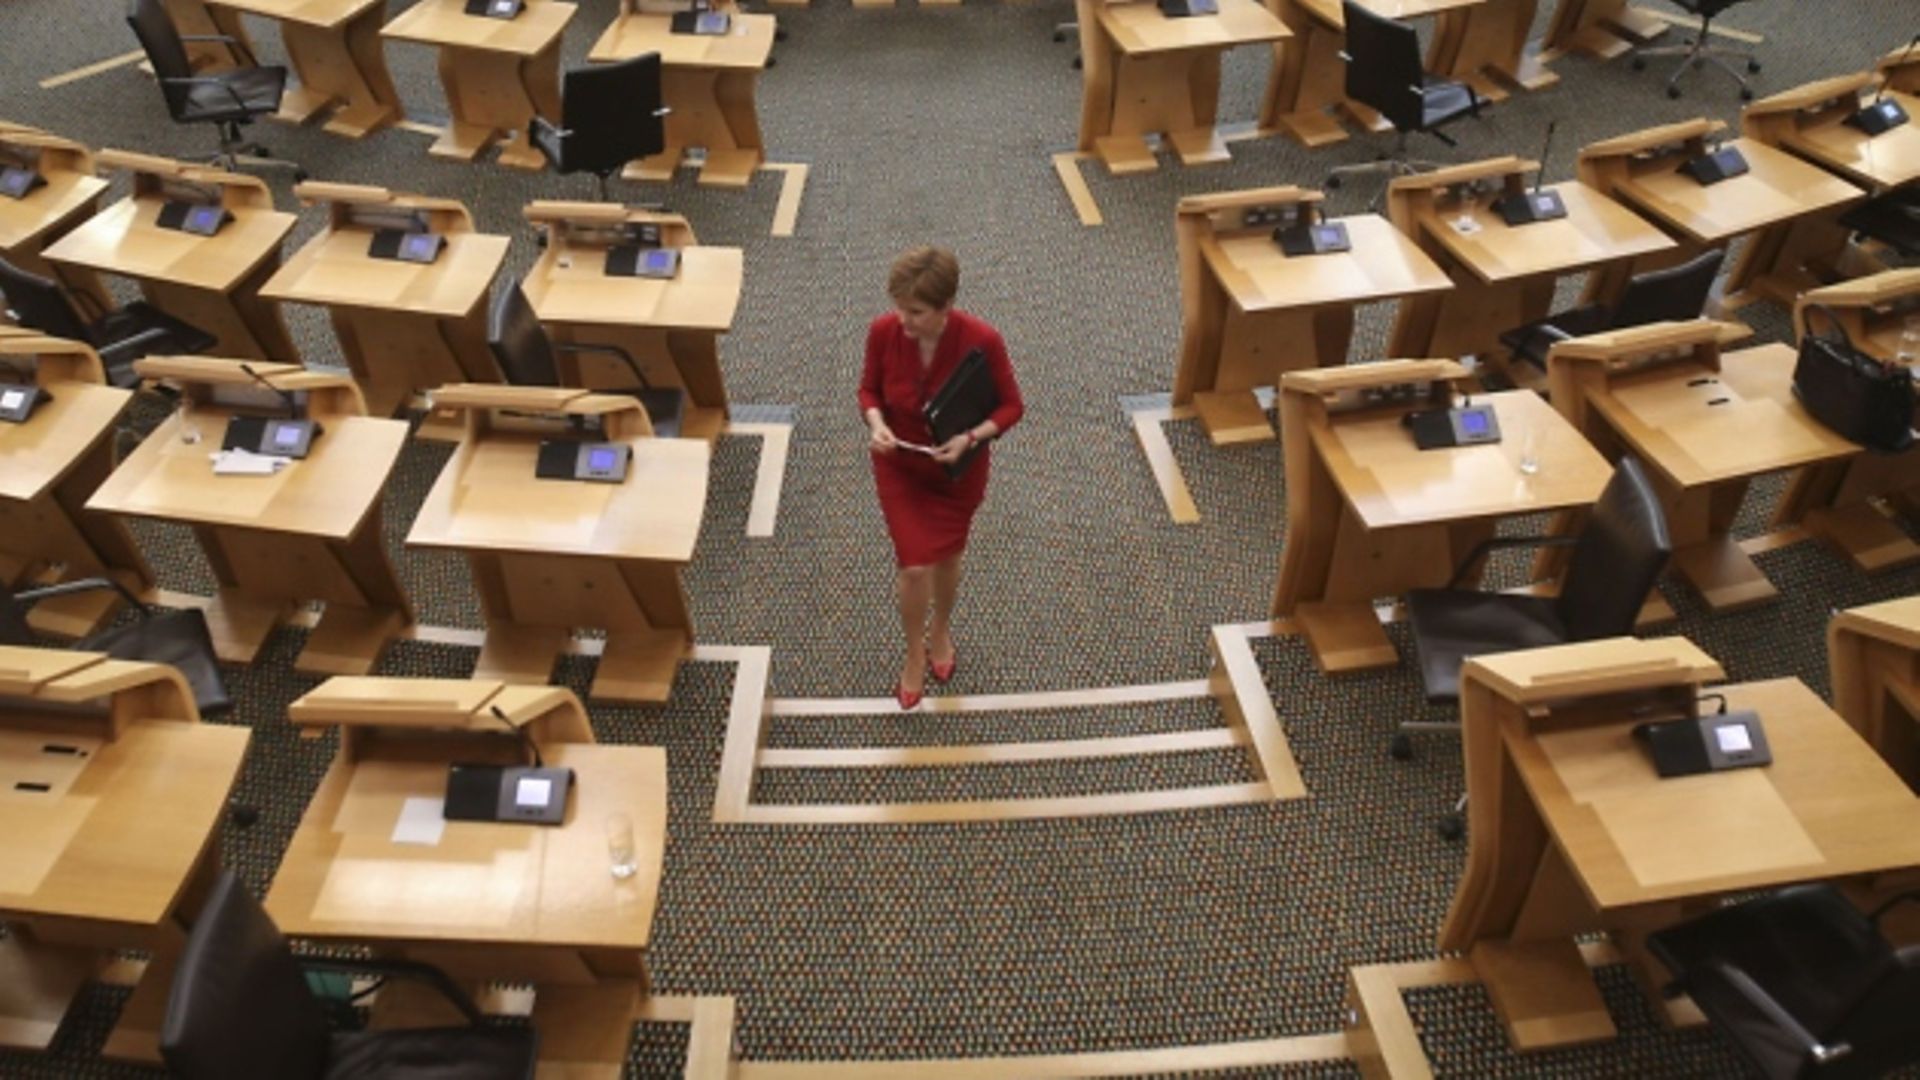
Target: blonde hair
(930, 275)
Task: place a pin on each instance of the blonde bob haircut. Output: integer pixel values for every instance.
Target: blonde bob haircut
(930, 275)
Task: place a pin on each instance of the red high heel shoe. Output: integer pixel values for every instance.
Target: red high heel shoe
(908, 699)
(944, 672)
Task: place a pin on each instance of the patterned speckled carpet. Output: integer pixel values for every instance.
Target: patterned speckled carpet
(935, 125)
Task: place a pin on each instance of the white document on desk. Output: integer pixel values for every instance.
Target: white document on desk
(422, 820)
(247, 463)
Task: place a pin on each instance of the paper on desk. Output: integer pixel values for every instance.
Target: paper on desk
(422, 820)
(247, 463)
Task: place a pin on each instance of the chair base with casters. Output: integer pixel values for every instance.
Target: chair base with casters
(1384, 71)
(240, 1006)
(1392, 166)
(229, 100)
(1698, 52)
(236, 153)
(1801, 982)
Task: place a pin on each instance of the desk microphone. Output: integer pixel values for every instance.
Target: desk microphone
(293, 403)
(1883, 114)
(1722, 162)
(532, 747)
(292, 437)
(1528, 207)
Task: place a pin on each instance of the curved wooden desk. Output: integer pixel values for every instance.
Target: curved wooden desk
(333, 47)
(709, 82)
(70, 196)
(310, 532)
(1874, 652)
(49, 466)
(497, 74)
(403, 327)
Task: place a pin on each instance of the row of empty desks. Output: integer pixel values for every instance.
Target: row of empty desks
(500, 73)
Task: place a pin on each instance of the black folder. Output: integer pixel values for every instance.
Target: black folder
(968, 397)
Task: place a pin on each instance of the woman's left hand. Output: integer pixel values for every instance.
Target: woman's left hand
(951, 450)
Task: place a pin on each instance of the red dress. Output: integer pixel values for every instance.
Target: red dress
(927, 513)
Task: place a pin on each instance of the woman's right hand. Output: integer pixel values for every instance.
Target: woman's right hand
(880, 438)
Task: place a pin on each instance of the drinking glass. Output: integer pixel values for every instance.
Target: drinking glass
(620, 862)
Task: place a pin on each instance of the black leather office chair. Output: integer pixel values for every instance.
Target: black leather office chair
(1384, 72)
(1698, 52)
(120, 336)
(1677, 293)
(158, 636)
(1615, 563)
(1893, 219)
(240, 1009)
(1802, 983)
(610, 114)
(526, 356)
(228, 99)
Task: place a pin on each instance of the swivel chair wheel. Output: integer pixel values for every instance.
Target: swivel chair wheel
(1059, 36)
(780, 33)
(1639, 63)
(1401, 748)
(1333, 184)
(300, 175)
(1076, 63)
(1753, 67)
(1451, 827)
(1673, 92)
(242, 816)
(772, 61)
(1746, 94)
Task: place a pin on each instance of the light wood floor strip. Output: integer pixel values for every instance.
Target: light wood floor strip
(873, 757)
(733, 789)
(1092, 697)
(710, 1043)
(418, 128)
(1181, 1059)
(1251, 705)
(786, 212)
(1067, 165)
(90, 70)
(1133, 802)
(1164, 466)
(775, 441)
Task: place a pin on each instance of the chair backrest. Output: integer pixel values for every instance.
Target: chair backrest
(39, 304)
(164, 49)
(1617, 558)
(1676, 293)
(609, 114)
(1879, 1026)
(518, 340)
(1385, 70)
(13, 621)
(240, 1008)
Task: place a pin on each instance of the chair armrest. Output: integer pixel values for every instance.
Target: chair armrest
(228, 38)
(1484, 547)
(1905, 897)
(410, 969)
(145, 337)
(606, 350)
(67, 588)
(1757, 997)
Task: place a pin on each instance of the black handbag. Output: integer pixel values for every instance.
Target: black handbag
(1860, 398)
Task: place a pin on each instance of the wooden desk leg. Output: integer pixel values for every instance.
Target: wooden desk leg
(241, 623)
(520, 654)
(1602, 29)
(493, 96)
(1544, 993)
(344, 65)
(1345, 637)
(586, 1030)
(348, 640)
(37, 985)
(639, 665)
(1725, 576)
(1781, 261)
(1865, 536)
(1231, 417)
(136, 1035)
(1308, 78)
(696, 360)
(732, 164)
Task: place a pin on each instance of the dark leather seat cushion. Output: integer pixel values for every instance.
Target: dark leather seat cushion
(258, 88)
(1443, 100)
(434, 1054)
(1451, 625)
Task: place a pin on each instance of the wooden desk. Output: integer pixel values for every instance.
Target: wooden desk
(1792, 207)
(1373, 516)
(1250, 312)
(212, 282)
(710, 84)
(497, 73)
(671, 327)
(1705, 424)
(70, 196)
(1144, 73)
(49, 466)
(1836, 500)
(1504, 275)
(1875, 656)
(1571, 831)
(276, 543)
(1602, 29)
(1808, 120)
(404, 327)
(333, 47)
(483, 901)
(552, 555)
(118, 849)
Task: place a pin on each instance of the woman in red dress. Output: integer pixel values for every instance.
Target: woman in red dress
(910, 353)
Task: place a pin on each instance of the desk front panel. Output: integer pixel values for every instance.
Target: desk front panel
(746, 47)
(571, 285)
(118, 833)
(478, 884)
(124, 239)
(1382, 265)
(1139, 27)
(1887, 160)
(36, 454)
(1778, 187)
(1827, 806)
(446, 23)
(22, 221)
(335, 270)
(1595, 231)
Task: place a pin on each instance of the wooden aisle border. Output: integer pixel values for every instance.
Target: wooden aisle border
(769, 477)
(87, 71)
(1693, 23)
(1149, 429)
(1067, 165)
(786, 212)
